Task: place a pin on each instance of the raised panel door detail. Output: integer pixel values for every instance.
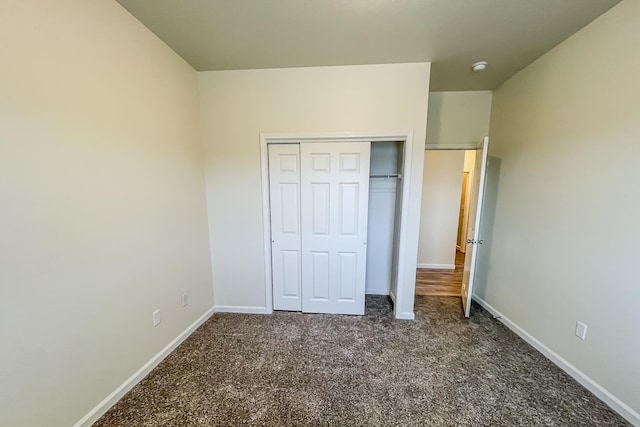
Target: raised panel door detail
(321, 162)
(348, 269)
(320, 275)
(291, 277)
(289, 163)
(320, 208)
(348, 209)
(350, 162)
(289, 207)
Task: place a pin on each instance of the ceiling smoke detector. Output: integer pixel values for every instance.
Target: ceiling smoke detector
(479, 66)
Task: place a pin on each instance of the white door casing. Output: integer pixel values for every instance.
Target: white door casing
(334, 196)
(473, 234)
(284, 192)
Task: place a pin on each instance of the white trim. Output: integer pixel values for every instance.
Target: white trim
(600, 392)
(266, 221)
(282, 138)
(93, 415)
(242, 309)
(377, 292)
(403, 225)
(437, 266)
(393, 297)
(461, 146)
(406, 316)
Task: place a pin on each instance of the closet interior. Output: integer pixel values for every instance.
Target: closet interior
(385, 179)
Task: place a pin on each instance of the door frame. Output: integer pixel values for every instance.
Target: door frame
(458, 147)
(406, 137)
(465, 213)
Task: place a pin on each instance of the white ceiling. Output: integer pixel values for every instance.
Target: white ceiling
(452, 34)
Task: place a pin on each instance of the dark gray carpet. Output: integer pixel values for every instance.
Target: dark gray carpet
(291, 369)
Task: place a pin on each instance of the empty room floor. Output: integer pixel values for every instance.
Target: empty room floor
(290, 369)
(438, 282)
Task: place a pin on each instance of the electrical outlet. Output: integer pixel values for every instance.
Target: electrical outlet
(581, 330)
(185, 300)
(156, 317)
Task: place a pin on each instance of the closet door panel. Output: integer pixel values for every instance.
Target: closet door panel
(348, 276)
(320, 208)
(334, 195)
(290, 273)
(320, 275)
(348, 207)
(286, 260)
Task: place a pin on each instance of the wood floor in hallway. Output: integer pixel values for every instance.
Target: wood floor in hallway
(440, 282)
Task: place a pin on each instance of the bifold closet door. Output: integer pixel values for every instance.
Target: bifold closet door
(284, 192)
(334, 195)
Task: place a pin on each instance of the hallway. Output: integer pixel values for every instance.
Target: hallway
(439, 282)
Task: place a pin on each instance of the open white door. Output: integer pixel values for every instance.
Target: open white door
(335, 191)
(284, 193)
(473, 234)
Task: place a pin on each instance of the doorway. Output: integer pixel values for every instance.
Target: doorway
(446, 192)
(453, 185)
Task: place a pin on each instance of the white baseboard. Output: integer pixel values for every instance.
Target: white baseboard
(377, 291)
(600, 392)
(437, 266)
(392, 296)
(134, 379)
(407, 315)
(241, 309)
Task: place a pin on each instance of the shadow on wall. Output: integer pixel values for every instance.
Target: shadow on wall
(487, 223)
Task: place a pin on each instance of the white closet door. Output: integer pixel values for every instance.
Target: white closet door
(335, 190)
(284, 190)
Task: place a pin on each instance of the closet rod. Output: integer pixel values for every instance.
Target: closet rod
(386, 176)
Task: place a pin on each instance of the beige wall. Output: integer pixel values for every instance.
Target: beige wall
(563, 201)
(103, 214)
(441, 191)
(469, 161)
(458, 117)
(238, 105)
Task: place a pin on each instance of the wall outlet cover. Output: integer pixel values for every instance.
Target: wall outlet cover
(581, 330)
(156, 317)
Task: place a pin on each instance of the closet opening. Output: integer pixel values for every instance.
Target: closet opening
(334, 211)
(385, 180)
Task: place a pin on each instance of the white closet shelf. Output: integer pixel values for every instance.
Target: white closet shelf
(396, 175)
